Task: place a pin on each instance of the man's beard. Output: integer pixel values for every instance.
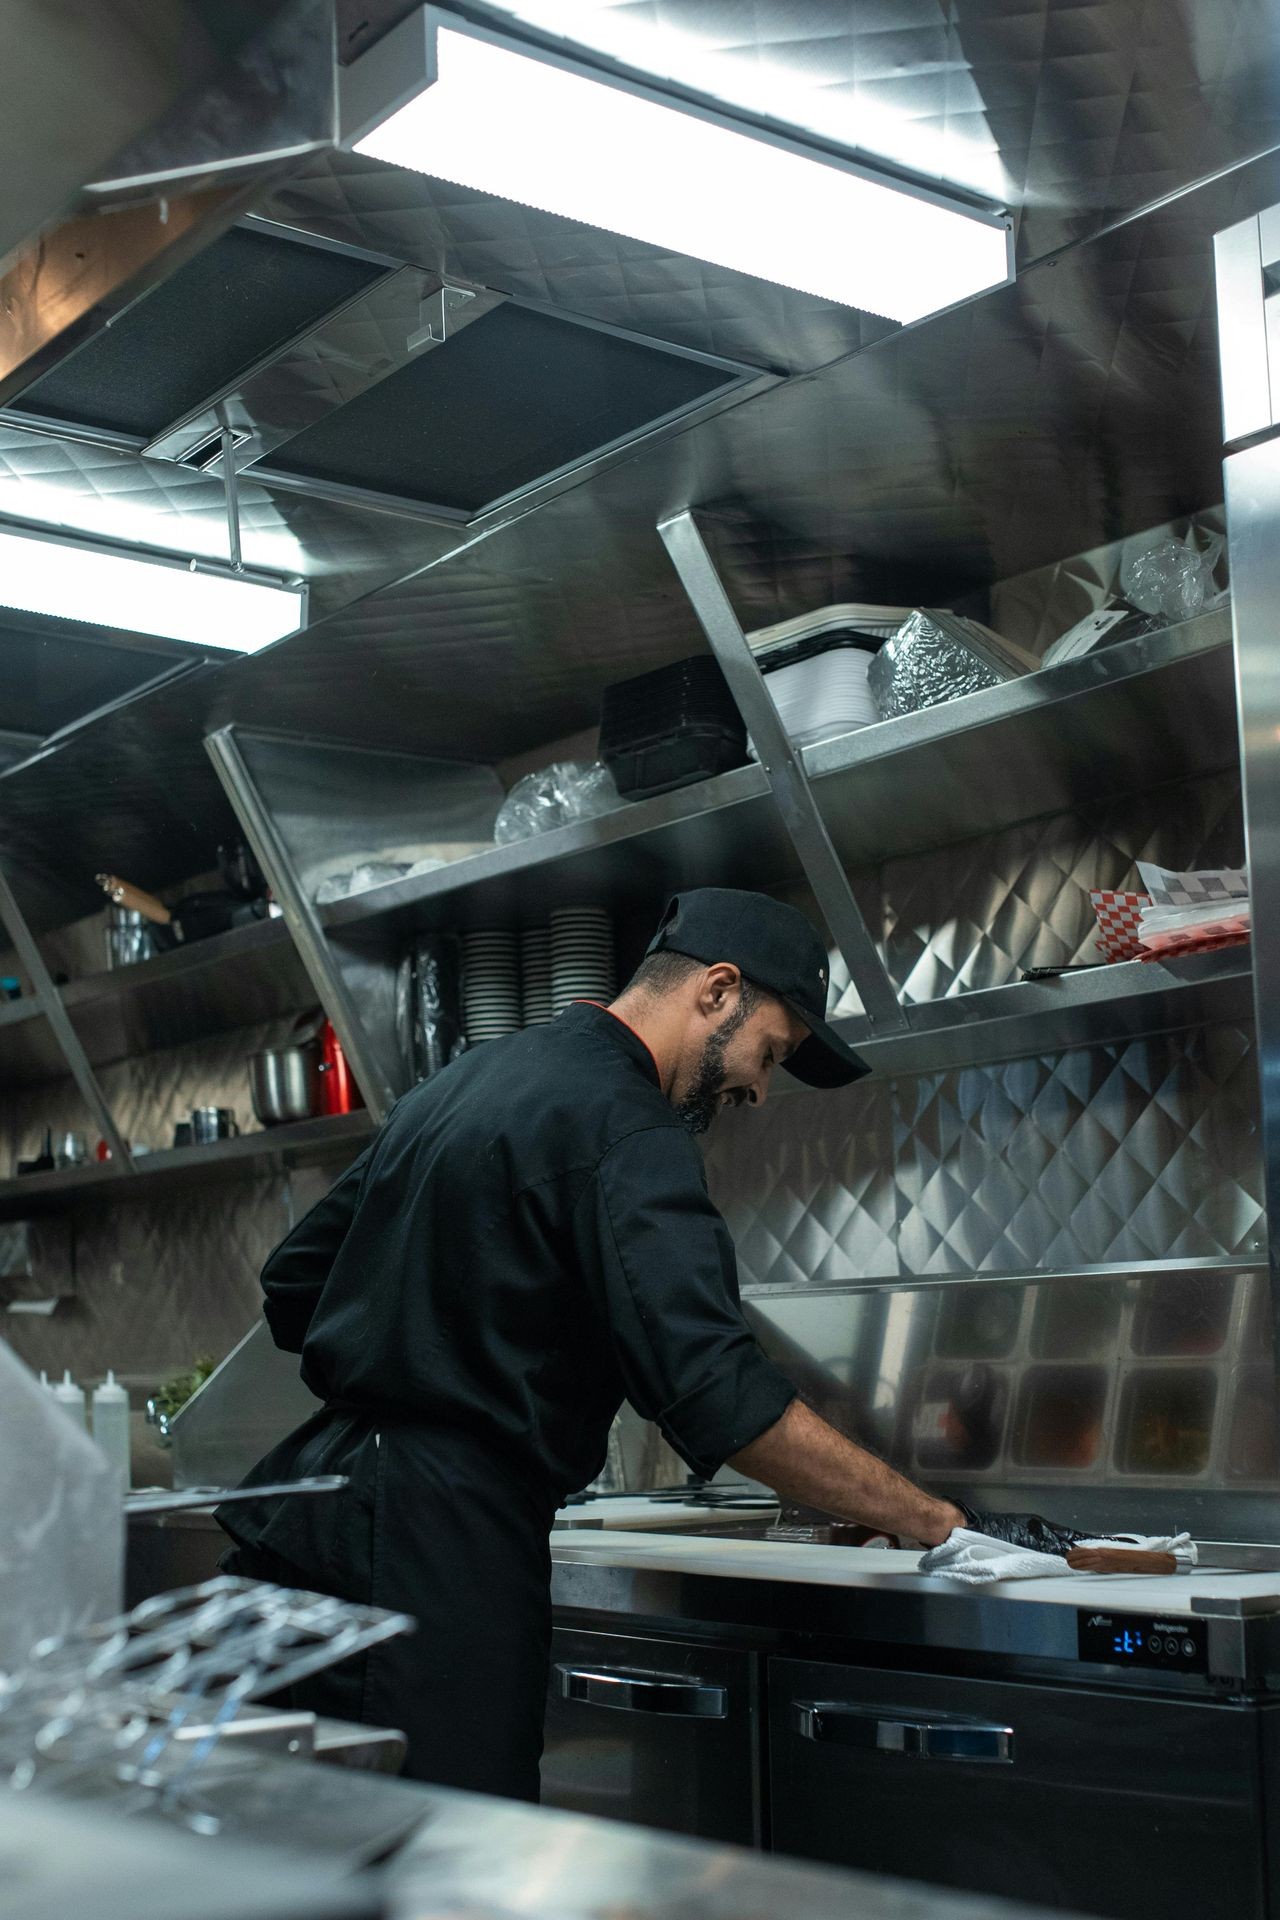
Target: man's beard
(701, 1104)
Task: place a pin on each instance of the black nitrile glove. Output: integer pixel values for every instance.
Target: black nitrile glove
(1026, 1530)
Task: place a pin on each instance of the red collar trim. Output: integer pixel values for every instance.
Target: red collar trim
(630, 1029)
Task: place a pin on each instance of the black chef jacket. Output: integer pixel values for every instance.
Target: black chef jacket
(528, 1241)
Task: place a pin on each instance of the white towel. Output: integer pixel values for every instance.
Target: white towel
(976, 1559)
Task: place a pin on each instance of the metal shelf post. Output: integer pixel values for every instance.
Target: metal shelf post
(782, 763)
(302, 920)
(1246, 257)
(50, 1003)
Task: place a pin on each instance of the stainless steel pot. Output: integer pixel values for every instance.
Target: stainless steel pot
(285, 1084)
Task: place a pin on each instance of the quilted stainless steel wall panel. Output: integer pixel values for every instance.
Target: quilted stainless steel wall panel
(1129, 1153)
(1141, 1152)
(809, 1196)
(159, 1281)
(147, 1095)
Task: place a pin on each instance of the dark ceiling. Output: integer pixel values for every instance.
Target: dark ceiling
(912, 465)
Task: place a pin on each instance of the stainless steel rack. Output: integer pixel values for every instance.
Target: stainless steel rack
(1092, 1008)
(275, 1149)
(234, 979)
(1156, 709)
(1150, 710)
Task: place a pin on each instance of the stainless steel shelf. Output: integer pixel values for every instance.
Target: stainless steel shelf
(1150, 710)
(720, 832)
(1135, 715)
(1106, 1004)
(252, 1155)
(233, 980)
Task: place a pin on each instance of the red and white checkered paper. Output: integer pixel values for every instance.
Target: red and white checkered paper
(1119, 921)
(1120, 924)
(1228, 930)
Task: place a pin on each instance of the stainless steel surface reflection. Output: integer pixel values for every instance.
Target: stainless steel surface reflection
(477, 1857)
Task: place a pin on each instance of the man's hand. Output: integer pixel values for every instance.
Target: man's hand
(805, 1460)
(1027, 1530)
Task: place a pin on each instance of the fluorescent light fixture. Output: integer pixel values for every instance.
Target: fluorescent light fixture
(442, 97)
(145, 593)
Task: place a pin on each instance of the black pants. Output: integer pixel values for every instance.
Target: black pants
(430, 1526)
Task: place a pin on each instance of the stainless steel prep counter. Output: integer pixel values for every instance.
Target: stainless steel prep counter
(493, 1857)
(465, 1855)
(875, 1597)
(1087, 1742)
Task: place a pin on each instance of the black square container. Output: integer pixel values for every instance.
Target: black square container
(668, 728)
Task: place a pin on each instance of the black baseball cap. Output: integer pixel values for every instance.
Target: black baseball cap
(778, 949)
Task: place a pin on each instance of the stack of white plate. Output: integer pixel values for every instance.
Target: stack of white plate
(490, 985)
(582, 962)
(535, 976)
(825, 695)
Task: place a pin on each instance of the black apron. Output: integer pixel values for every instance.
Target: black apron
(433, 1525)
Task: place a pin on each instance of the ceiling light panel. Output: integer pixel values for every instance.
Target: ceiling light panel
(101, 587)
(465, 105)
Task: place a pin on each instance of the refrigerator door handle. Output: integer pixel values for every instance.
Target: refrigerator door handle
(922, 1736)
(635, 1692)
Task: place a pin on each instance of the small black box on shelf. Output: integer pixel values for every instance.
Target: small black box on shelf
(670, 727)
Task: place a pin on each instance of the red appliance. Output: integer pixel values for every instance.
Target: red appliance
(338, 1090)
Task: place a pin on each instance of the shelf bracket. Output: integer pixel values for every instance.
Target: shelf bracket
(781, 761)
(302, 920)
(49, 1001)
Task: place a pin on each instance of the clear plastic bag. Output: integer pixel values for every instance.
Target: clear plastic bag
(1174, 578)
(61, 1558)
(372, 873)
(555, 796)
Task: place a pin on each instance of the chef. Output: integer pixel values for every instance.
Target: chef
(528, 1242)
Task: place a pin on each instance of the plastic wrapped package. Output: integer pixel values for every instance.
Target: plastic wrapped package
(1174, 578)
(61, 1520)
(935, 657)
(555, 796)
(372, 873)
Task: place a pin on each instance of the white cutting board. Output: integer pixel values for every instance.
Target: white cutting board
(621, 1512)
(809, 1565)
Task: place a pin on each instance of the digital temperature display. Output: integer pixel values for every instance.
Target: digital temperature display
(1138, 1640)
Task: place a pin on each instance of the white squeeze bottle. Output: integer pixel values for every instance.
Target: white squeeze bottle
(70, 1398)
(111, 1425)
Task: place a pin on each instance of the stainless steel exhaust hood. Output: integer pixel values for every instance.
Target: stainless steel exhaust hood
(354, 376)
(249, 292)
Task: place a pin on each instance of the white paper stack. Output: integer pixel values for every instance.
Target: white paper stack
(1192, 912)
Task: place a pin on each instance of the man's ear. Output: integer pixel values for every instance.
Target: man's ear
(718, 983)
